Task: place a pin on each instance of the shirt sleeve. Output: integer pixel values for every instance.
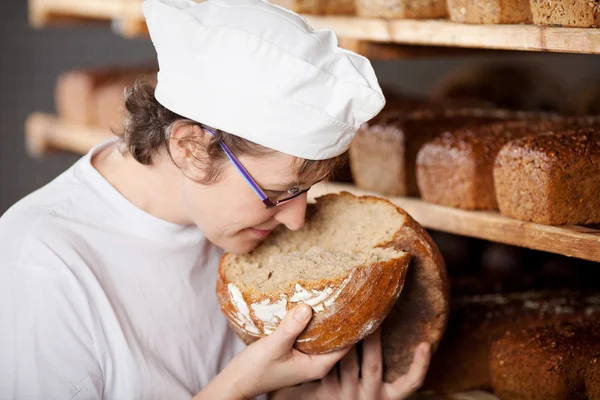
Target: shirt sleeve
(46, 348)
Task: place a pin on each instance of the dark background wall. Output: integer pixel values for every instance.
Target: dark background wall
(30, 61)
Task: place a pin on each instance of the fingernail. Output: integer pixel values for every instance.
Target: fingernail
(424, 349)
(302, 313)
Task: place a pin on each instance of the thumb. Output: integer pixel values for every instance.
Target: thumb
(290, 327)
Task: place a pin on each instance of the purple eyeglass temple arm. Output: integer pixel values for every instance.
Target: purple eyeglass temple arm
(263, 197)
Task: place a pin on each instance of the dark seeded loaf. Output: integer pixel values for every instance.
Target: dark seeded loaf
(456, 169)
(384, 151)
(551, 179)
(411, 9)
(579, 13)
(490, 11)
(462, 360)
(545, 363)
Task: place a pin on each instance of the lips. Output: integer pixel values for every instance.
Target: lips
(261, 233)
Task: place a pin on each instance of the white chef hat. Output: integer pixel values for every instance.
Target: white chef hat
(260, 72)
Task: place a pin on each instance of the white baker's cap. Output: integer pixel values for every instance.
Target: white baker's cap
(260, 72)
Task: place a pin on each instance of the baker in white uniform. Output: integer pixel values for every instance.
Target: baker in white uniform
(107, 274)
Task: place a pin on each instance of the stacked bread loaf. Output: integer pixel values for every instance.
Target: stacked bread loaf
(456, 168)
(541, 12)
(413, 9)
(584, 14)
(551, 179)
(384, 152)
(477, 322)
(490, 11)
(95, 97)
(331, 7)
(551, 362)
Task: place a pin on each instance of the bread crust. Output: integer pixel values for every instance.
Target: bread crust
(421, 312)
(489, 11)
(582, 14)
(551, 179)
(545, 363)
(413, 9)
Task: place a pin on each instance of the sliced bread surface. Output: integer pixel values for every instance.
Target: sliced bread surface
(342, 263)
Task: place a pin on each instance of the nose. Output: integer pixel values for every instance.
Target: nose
(292, 213)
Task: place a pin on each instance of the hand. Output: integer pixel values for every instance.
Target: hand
(369, 385)
(272, 362)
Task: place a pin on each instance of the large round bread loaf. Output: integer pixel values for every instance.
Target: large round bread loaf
(359, 297)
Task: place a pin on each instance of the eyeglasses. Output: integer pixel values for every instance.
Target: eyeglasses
(274, 201)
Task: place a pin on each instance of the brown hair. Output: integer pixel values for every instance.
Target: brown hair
(148, 126)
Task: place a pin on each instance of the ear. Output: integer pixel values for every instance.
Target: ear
(187, 143)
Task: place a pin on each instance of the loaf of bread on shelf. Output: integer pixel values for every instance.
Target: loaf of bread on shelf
(521, 87)
(349, 263)
(456, 169)
(547, 362)
(384, 151)
(489, 11)
(332, 7)
(581, 13)
(95, 97)
(551, 179)
(462, 360)
(340, 7)
(409, 9)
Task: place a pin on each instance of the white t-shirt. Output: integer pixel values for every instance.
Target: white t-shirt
(100, 300)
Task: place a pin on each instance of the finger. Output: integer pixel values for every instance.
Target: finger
(308, 390)
(294, 322)
(410, 382)
(330, 383)
(372, 365)
(320, 364)
(349, 370)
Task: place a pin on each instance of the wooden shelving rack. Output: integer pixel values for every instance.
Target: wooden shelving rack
(376, 39)
(372, 37)
(128, 21)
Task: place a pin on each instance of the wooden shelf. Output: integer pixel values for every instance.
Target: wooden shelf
(125, 15)
(128, 20)
(573, 241)
(446, 33)
(46, 133)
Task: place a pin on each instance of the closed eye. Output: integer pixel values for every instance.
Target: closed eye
(274, 193)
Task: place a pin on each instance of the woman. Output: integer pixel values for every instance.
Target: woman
(107, 273)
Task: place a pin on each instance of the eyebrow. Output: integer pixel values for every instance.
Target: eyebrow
(282, 187)
(288, 185)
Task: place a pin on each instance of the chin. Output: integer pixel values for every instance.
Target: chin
(240, 246)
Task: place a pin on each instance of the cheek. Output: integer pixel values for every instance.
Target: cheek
(219, 211)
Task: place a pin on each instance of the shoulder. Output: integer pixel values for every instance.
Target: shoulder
(38, 228)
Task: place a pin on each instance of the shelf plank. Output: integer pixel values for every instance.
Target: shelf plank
(447, 33)
(46, 133)
(442, 33)
(573, 241)
(43, 12)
